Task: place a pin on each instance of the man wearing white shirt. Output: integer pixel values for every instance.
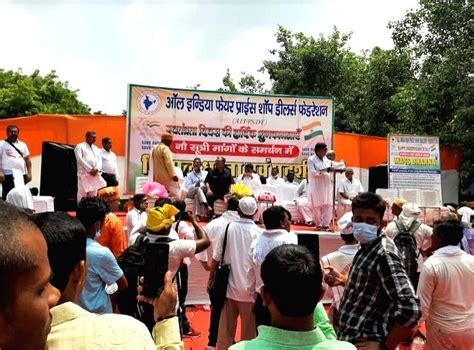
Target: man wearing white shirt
(89, 167)
(137, 215)
(14, 156)
(275, 179)
(290, 178)
(319, 186)
(109, 163)
(408, 217)
(250, 179)
(240, 296)
(302, 203)
(348, 189)
(277, 221)
(341, 259)
(194, 184)
(214, 230)
(446, 290)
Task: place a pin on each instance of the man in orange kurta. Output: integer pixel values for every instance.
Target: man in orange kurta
(112, 234)
(163, 167)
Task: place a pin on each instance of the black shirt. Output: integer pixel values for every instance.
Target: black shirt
(219, 182)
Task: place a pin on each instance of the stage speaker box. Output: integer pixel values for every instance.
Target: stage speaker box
(378, 177)
(59, 175)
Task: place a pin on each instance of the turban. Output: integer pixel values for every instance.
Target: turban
(399, 202)
(167, 136)
(109, 194)
(161, 217)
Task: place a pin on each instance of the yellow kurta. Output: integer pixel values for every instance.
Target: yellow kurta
(163, 167)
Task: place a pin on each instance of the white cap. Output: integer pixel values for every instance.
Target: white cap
(248, 205)
(466, 214)
(410, 210)
(345, 223)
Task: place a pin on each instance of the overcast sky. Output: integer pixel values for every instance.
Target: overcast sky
(101, 46)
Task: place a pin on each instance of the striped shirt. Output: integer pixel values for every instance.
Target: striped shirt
(377, 294)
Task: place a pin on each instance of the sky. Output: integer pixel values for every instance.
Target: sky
(101, 46)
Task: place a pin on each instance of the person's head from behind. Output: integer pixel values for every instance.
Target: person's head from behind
(162, 201)
(397, 206)
(26, 295)
(160, 219)
(292, 281)
(167, 138)
(277, 217)
(368, 210)
(107, 143)
(290, 176)
(233, 204)
(320, 149)
(12, 133)
(111, 197)
(91, 213)
(90, 137)
(345, 225)
(66, 239)
(447, 232)
(139, 202)
(181, 206)
(247, 207)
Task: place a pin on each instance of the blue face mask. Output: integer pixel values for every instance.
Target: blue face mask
(97, 232)
(364, 233)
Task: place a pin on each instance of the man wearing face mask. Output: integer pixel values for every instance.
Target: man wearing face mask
(378, 308)
(102, 268)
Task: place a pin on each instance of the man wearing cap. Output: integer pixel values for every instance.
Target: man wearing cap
(409, 217)
(89, 167)
(163, 167)
(397, 206)
(240, 296)
(112, 234)
(341, 259)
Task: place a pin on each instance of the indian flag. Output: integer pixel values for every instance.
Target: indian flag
(313, 130)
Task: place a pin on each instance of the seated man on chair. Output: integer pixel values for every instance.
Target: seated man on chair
(196, 187)
(218, 181)
(348, 189)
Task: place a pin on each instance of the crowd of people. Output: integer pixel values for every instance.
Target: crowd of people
(79, 281)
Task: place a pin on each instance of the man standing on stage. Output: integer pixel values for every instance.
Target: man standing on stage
(162, 165)
(89, 167)
(14, 154)
(319, 187)
(109, 163)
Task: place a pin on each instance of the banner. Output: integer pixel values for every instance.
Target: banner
(265, 130)
(414, 163)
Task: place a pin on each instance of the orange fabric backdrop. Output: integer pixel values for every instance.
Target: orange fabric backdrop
(359, 151)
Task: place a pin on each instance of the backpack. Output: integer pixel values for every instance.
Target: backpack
(406, 244)
(132, 261)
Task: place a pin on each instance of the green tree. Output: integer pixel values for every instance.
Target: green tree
(22, 95)
(247, 84)
(440, 101)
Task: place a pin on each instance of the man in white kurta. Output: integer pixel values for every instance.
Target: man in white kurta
(446, 290)
(319, 187)
(89, 167)
(302, 203)
(348, 189)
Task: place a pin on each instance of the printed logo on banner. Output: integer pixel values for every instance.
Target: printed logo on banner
(149, 102)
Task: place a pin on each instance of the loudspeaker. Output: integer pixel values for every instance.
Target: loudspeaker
(378, 177)
(59, 175)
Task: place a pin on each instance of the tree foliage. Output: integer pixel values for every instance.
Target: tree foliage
(247, 84)
(22, 95)
(423, 86)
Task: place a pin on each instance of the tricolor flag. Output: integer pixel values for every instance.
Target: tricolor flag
(313, 130)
